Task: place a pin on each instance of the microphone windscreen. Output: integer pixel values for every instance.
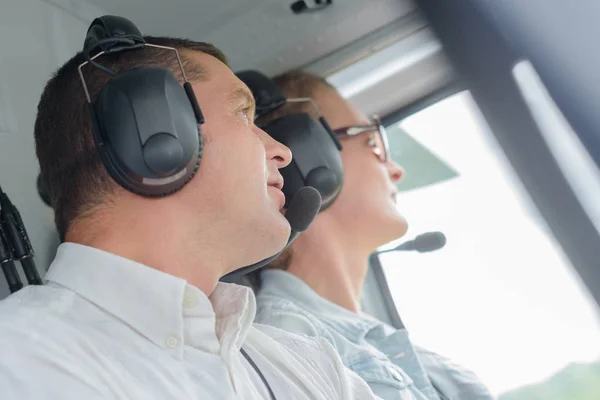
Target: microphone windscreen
(303, 208)
(429, 241)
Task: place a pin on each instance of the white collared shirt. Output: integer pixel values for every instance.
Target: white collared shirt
(105, 327)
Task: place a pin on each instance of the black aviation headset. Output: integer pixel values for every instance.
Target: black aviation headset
(316, 160)
(146, 126)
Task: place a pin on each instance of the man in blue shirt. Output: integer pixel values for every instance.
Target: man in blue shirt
(314, 287)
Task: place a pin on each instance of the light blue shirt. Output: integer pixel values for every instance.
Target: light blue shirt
(381, 354)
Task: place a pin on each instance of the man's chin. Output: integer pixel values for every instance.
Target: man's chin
(274, 239)
(282, 235)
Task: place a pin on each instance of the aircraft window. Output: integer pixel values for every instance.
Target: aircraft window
(500, 298)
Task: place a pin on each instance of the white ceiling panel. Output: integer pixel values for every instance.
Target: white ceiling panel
(261, 34)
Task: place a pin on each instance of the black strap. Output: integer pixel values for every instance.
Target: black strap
(247, 357)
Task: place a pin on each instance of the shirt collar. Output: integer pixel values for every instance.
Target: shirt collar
(282, 284)
(154, 303)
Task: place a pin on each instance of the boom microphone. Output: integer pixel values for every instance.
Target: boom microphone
(423, 243)
(303, 209)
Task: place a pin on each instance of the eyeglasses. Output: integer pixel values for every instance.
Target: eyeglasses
(379, 143)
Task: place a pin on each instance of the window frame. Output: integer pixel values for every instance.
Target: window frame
(468, 34)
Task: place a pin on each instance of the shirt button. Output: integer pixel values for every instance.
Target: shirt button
(172, 342)
(397, 375)
(190, 300)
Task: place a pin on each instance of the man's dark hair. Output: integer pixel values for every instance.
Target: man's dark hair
(71, 169)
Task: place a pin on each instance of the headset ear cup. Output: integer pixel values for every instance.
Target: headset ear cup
(316, 159)
(149, 132)
(146, 126)
(325, 181)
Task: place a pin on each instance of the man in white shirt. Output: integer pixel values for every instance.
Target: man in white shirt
(132, 308)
